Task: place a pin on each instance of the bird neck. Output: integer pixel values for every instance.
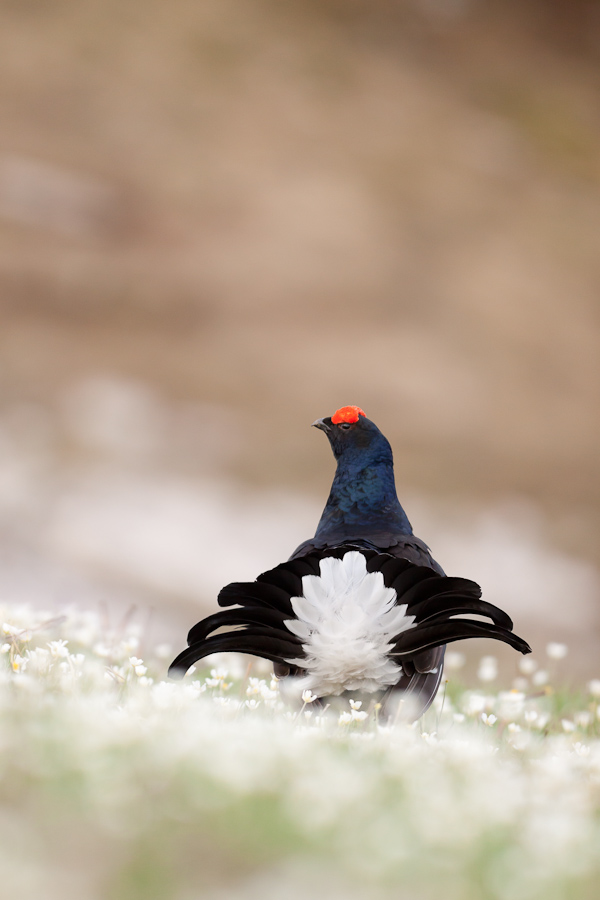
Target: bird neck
(363, 499)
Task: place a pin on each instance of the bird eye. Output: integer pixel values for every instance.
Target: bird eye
(345, 425)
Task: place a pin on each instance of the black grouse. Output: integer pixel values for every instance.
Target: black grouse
(360, 608)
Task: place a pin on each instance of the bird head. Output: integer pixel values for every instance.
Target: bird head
(350, 433)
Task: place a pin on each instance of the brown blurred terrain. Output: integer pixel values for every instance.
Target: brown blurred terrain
(263, 211)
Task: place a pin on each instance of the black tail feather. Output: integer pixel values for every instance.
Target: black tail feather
(438, 608)
(254, 593)
(265, 645)
(437, 586)
(423, 636)
(435, 600)
(270, 618)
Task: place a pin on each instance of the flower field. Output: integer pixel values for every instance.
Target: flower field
(118, 784)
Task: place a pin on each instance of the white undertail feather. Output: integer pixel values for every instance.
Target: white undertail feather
(346, 618)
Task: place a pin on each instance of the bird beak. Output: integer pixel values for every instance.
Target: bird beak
(321, 424)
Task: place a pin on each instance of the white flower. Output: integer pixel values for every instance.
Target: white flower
(226, 701)
(527, 665)
(308, 697)
(39, 660)
(513, 727)
(489, 720)
(583, 718)
(454, 660)
(58, 648)
(138, 665)
(115, 673)
(475, 703)
(511, 703)
(356, 714)
(221, 674)
(345, 718)
(567, 725)
(593, 686)
(163, 651)
(130, 644)
(556, 651)
(254, 686)
(218, 677)
(488, 668)
(540, 678)
(536, 719)
(252, 704)
(268, 694)
(10, 629)
(6, 647)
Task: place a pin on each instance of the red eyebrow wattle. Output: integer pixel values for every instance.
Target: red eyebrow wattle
(348, 414)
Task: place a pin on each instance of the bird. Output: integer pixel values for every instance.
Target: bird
(360, 609)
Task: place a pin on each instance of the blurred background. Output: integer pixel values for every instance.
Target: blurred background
(220, 220)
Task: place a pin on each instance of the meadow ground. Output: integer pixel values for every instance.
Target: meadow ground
(118, 784)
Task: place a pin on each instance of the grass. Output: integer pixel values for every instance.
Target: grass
(117, 784)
